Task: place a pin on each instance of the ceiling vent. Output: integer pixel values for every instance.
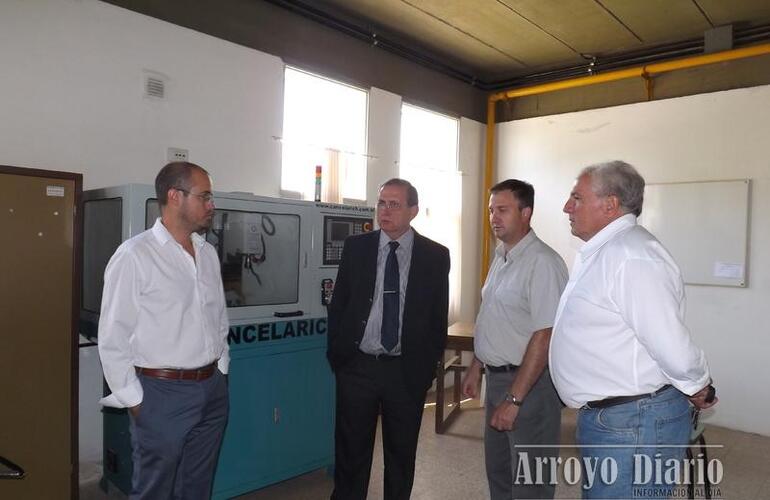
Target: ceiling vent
(155, 84)
(154, 87)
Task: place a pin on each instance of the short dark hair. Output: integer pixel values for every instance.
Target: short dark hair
(522, 191)
(174, 175)
(411, 191)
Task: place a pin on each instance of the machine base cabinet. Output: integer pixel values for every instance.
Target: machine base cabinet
(281, 420)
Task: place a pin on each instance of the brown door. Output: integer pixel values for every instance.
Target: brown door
(39, 290)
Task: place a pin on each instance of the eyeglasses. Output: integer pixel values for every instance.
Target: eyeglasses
(204, 197)
(390, 205)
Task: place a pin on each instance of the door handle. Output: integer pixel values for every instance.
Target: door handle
(288, 314)
(10, 470)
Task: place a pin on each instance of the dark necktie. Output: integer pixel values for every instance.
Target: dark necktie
(391, 294)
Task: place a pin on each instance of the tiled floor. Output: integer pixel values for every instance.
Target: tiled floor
(451, 466)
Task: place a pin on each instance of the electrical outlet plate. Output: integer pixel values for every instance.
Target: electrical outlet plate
(177, 154)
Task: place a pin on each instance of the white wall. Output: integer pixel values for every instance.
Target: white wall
(716, 136)
(471, 165)
(71, 98)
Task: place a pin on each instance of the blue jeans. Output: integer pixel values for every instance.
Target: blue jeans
(635, 437)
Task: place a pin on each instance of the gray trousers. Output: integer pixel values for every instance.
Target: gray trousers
(538, 423)
(177, 436)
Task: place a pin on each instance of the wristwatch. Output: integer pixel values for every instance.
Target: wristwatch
(513, 399)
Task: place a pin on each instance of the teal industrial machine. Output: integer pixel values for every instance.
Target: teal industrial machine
(279, 262)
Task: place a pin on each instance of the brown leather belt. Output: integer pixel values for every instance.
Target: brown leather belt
(619, 400)
(201, 373)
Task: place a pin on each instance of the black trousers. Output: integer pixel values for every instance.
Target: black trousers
(367, 388)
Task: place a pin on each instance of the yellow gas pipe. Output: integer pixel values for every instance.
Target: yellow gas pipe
(645, 72)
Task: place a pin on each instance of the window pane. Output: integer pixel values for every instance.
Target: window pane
(429, 161)
(428, 140)
(320, 114)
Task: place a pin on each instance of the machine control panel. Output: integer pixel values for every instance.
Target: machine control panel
(327, 289)
(336, 229)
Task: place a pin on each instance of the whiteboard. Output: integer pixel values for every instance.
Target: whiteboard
(705, 227)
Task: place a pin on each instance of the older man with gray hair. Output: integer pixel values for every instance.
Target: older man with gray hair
(620, 351)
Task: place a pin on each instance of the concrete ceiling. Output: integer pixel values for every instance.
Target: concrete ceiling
(502, 40)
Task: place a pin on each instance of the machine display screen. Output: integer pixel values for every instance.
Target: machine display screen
(336, 229)
(151, 213)
(102, 234)
(259, 253)
(340, 230)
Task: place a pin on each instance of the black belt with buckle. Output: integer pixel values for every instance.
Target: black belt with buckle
(501, 369)
(379, 357)
(619, 400)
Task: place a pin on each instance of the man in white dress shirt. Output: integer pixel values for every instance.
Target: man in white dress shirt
(620, 351)
(513, 330)
(163, 341)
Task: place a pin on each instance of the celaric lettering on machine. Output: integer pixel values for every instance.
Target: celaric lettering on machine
(268, 332)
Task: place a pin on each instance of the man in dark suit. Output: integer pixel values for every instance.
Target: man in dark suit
(387, 332)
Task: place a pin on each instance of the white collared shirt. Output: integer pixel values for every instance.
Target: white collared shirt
(371, 341)
(160, 309)
(519, 297)
(620, 329)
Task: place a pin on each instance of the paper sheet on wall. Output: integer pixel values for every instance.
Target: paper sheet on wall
(728, 270)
